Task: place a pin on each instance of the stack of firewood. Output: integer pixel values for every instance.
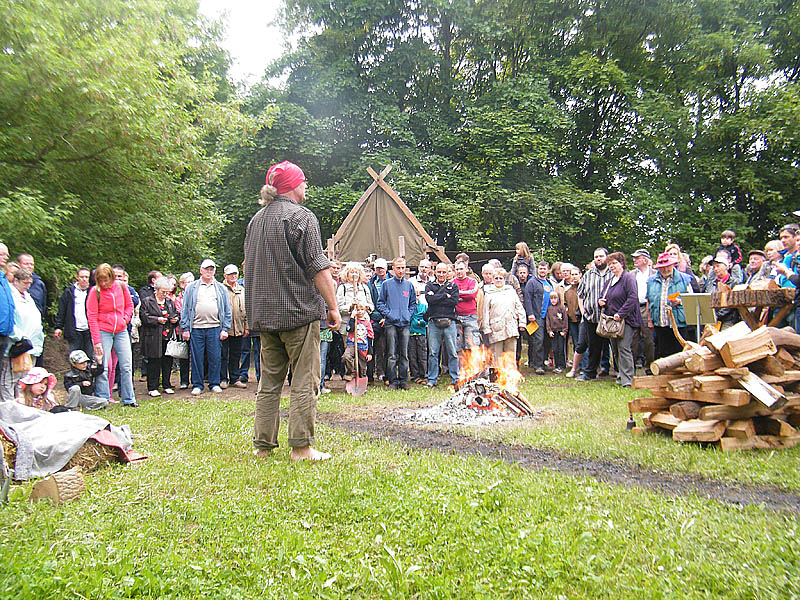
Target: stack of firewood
(735, 388)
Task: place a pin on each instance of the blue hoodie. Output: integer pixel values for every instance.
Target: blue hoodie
(397, 301)
(7, 307)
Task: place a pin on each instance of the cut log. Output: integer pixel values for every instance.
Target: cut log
(684, 384)
(60, 487)
(741, 429)
(725, 397)
(648, 404)
(654, 382)
(735, 372)
(699, 431)
(765, 442)
(717, 412)
(704, 360)
(663, 419)
(785, 337)
(670, 363)
(685, 410)
(785, 358)
(768, 365)
(752, 297)
(773, 426)
(718, 340)
(740, 352)
(787, 377)
(763, 391)
(713, 383)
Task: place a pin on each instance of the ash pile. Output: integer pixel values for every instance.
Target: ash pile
(481, 400)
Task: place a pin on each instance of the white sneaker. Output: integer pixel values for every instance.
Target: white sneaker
(169, 391)
(326, 390)
(196, 391)
(154, 393)
(216, 389)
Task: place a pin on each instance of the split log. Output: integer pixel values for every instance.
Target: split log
(670, 363)
(764, 442)
(769, 365)
(704, 360)
(699, 431)
(685, 410)
(712, 383)
(717, 412)
(773, 426)
(718, 340)
(787, 377)
(735, 372)
(785, 337)
(763, 391)
(785, 358)
(648, 404)
(653, 382)
(60, 487)
(739, 352)
(724, 397)
(662, 419)
(742, 429)
(683, 384)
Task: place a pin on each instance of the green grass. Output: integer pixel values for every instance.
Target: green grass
(589, 419)
(203, 518)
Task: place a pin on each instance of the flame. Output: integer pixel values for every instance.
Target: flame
(475, 360)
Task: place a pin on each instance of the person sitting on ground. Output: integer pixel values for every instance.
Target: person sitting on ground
(79, 382)
(503, 317)
(359, 332)
(36, 389)
(159, 319)
(557, 324)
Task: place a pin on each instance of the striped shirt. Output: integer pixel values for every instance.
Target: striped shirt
(283, 253)
(590, 291)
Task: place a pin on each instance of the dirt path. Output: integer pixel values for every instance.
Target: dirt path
(618, 472)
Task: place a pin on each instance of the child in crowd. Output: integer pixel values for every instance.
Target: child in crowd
(727, 243)
(36, 389)
(418, 341)
(360, 333)
(557, 325)
(80, 382)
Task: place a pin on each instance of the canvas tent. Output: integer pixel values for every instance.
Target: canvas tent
(380, 223)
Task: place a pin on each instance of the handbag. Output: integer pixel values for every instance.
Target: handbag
(22, 363)
(19, 348)
(177, 349)
(608, 326)
(442, 322)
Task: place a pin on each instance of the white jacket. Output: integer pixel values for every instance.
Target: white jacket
(503, 313)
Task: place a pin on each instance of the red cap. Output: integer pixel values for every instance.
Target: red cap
(285, 176)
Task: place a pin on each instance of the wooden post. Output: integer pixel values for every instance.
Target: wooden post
(401, 245)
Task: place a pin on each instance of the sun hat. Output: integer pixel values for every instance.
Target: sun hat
(36, 374)
(78, 356)
(665, 260)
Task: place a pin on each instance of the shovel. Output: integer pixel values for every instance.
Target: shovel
(357, 386)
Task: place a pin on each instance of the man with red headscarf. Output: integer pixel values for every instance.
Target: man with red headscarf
(287, 285)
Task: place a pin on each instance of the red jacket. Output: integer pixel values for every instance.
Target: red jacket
(110, 311)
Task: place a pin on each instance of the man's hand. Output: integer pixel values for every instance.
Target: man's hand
(85, 383)
(532, 318)
(57, 333)
(98, 352)
(185, 336)
(162, 320)
(334, 318)
(223, 335)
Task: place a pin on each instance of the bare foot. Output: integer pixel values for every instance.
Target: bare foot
(262, 453)
(308, 453)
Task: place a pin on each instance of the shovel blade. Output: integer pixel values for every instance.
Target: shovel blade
(357, 386)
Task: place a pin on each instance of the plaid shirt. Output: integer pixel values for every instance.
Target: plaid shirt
(283, 253)
(590, 291)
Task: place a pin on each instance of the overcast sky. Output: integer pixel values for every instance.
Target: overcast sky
(250, 37)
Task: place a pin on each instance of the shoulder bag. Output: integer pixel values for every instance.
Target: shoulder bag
(608, 326)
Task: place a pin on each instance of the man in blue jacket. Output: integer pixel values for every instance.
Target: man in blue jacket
(6, 329)
(397, 302)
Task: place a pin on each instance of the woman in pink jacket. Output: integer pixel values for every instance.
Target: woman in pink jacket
(109, 308)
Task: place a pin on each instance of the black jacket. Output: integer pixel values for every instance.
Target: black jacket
(442, 299)
(533, 297)
(65, 319)
(77, 377)
(152, 332)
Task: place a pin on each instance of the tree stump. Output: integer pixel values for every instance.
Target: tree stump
(60, 487)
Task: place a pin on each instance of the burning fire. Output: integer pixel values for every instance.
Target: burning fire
(503, 371)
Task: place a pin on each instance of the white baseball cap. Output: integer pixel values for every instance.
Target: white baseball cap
(207, 263)
(380, 263)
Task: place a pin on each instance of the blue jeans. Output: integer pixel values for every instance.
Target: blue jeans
(252, 340)
(469, 335)
(397, 353)
(323, 359)
(205, 342)
(435, 337)
(121, 344)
